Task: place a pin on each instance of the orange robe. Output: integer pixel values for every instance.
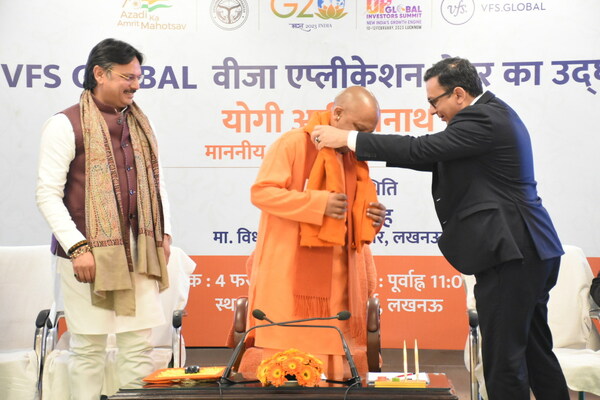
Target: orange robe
(279, 191)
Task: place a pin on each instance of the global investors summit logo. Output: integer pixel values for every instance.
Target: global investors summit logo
(391, 14)
(229, 14)
(457, 12)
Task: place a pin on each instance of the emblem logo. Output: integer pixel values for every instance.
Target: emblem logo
(229, 14)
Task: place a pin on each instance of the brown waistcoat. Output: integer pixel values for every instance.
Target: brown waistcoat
(74, 192)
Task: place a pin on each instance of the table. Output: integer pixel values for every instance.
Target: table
(440, 388)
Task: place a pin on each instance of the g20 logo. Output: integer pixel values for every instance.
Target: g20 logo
(326, 9)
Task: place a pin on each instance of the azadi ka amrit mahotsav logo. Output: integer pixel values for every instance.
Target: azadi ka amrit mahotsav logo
(151, 5)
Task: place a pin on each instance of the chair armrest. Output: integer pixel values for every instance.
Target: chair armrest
(373, 334)
(473, 318)
(42, 326)
(42, 318)
(52, 336)
(373, 311)
(178, 318)
(240, 316)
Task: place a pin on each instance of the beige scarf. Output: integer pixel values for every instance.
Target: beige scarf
(113, 288)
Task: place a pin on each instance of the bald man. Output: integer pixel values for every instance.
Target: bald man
(312, 259)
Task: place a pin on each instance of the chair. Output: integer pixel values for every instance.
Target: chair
(570, 311)
(26, 296)
(570, 316)
(472, 353)
(240, 313)
(167, 341)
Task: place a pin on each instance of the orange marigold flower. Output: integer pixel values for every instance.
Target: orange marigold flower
(307, 376)
(291, 366)
(275, 375)
(277, 369)
(300, 360)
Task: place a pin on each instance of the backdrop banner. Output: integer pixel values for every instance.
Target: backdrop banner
(224, 78)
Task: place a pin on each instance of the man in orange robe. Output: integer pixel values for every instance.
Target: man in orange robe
(312, 259)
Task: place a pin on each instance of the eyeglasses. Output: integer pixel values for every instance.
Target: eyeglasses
(129, 78)
(433, 102)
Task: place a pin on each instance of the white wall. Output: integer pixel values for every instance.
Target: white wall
(213, 195)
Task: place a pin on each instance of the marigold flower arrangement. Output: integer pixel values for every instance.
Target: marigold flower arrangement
(290, 364)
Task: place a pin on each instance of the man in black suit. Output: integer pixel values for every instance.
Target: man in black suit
(493, 222)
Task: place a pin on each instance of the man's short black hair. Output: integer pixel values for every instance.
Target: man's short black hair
(456, 72)
(105, 54)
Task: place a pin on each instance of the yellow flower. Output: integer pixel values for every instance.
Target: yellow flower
(261, 374)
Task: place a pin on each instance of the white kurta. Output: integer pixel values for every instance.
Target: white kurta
(57, 150)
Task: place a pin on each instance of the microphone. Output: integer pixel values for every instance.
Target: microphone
(344, 315)
(260, 315)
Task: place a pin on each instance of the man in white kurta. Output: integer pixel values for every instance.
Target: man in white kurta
(99, 190)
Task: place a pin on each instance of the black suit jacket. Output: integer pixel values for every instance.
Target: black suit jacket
(483, 185)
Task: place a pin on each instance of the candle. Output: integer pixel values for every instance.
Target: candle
(416, 360)
(405, 362)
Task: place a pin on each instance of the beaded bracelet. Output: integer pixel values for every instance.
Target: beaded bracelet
(76, 246)
(79, 251)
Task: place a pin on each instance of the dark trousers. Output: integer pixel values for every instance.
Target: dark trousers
(516, 342)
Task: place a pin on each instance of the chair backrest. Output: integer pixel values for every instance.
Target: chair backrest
(570, 301)
(180, 268)
(26, 288)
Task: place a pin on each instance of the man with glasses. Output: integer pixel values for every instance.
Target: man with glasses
(494, 225)
(101, 191)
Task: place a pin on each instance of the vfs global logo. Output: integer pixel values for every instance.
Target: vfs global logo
(324, 9)
(457, 12)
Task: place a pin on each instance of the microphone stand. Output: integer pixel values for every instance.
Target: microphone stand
(355, 379)
(236, 353)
